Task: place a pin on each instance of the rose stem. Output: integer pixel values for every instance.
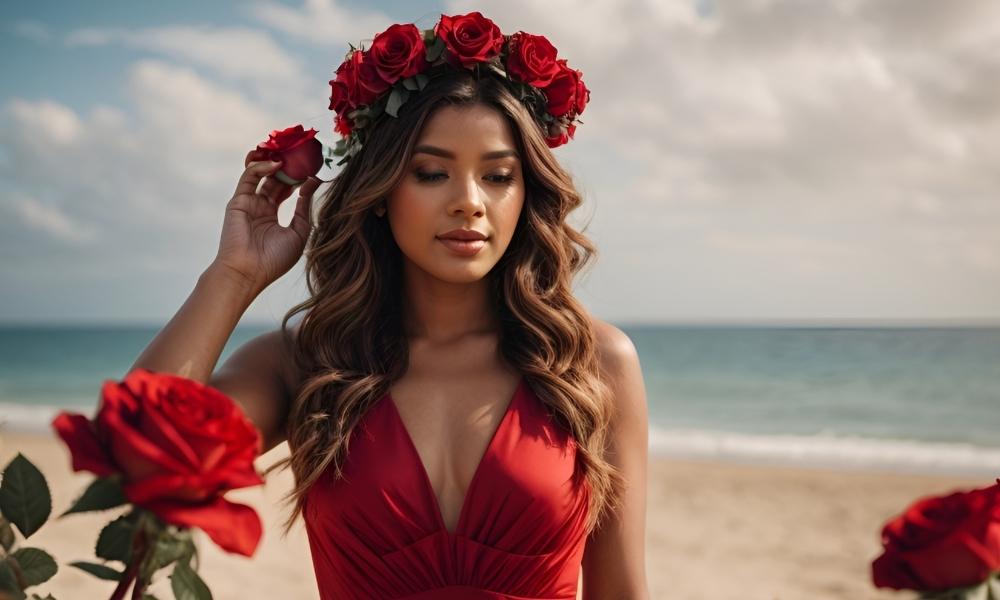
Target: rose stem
(138, 554)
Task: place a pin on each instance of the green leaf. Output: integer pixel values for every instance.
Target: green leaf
(435, 49)
(102, 494)
(187, 585)
(37, 566)
(8, 582)
(422, 80)
(7, 538)
(115, 541)
(100, 571)
(169, 549)
(398, 96)
(24, 496)
(148, 597)
(410, 84)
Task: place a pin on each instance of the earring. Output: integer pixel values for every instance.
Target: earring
(379, 210)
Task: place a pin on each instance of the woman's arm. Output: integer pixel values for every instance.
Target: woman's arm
(253, 252)
(614, 561)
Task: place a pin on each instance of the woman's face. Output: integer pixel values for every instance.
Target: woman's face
(454, 212)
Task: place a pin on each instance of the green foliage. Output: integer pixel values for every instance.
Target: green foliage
(397, 98)
(24, 496)
(187, 585)
(7, 538)
(102, 494)
(8, 582)
(172, 548)
(435, 49)
(37, 566)
(115, 541)
(99, 571)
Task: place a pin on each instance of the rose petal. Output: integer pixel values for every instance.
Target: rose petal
(88, 454)
(234, 527)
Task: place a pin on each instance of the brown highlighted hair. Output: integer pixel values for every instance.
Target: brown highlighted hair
(350, 343)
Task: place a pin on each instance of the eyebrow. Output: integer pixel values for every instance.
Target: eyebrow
(435, 151)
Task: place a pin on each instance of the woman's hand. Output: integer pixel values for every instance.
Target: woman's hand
(253, 244)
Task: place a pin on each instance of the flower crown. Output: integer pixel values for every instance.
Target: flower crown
(401, 60)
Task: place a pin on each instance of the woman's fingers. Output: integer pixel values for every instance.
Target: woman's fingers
(255, 155)
(252, 175)
(275, 191)
(302, 220)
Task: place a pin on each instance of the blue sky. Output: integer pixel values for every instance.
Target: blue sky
(753, 161)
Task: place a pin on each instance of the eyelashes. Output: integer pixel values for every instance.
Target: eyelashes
(497, 178)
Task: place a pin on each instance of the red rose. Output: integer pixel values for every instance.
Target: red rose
(942, 543)
(343, 125)
(566, 94)
(347, 74)
(532, 59)
(470, 39)
(398, 52)
(300, 153)
(179, 445)
(368, 78)
(340, 97)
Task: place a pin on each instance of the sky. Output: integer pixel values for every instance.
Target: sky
(751, 161)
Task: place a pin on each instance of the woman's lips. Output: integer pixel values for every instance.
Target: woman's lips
(464, 242)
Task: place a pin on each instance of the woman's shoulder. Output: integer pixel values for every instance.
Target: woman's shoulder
(615, 349)
(621, 372)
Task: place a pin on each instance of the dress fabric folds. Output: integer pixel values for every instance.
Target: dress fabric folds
(378, 531)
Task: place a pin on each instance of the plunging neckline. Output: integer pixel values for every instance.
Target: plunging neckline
(475, 474)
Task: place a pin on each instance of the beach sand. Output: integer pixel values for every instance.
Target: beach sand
(714, 531)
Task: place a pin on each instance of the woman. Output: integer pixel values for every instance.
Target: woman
(460, 427)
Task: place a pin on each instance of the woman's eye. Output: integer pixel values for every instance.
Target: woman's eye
(430, 176)
(499, 178)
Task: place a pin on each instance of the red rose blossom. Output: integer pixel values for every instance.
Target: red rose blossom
(178, 445)
(347, 74)
(340, 97)
(566, 94)
(300, 153)
(532, 59)
(942, 543)
(470, 39)
(398, 52)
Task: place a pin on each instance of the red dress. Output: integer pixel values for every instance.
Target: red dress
(378, 532)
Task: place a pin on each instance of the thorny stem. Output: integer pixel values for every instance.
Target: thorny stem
(139, 549)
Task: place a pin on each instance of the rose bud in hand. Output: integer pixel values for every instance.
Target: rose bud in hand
(300, 153)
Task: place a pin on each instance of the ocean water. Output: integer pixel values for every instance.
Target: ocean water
(914, 400)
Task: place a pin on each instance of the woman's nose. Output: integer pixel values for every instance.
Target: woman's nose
(468, 199)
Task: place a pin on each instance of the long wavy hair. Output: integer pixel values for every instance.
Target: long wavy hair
(350, 343)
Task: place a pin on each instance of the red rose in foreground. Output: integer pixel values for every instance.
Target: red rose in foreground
(470, 39)
(398, 52)
(532, 59)
(178, 445)
(300, 153)
(942, 543)
(567, 94)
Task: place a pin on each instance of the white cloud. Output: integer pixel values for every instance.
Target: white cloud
(51, 220)
(235, 51)
(146, 192)
(856, 139)
(322, 22)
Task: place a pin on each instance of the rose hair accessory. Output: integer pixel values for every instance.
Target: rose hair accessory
(401, 61)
